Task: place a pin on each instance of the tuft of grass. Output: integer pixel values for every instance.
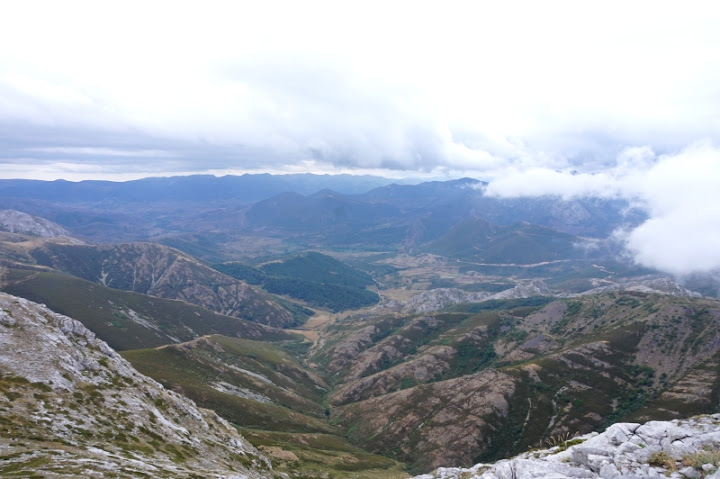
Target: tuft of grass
(698, 459)
(562, 441)
(663, 459)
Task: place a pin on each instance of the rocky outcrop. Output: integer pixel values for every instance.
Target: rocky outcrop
(72, 407)
(440, 298)
(680, 449)
(437, 299)
(524, 289)
(650, 285)
(18, 222)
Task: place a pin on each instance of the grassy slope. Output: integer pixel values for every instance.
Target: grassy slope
(322, 455)
(108, 312)
(151, 268)
(315, 278)
(291, 428)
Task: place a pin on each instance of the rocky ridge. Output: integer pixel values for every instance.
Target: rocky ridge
(18, 222)
(72, 407)
(440, 298)
(688, 448)
(650, 285)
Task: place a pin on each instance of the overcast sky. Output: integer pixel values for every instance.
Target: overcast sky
(543, 97)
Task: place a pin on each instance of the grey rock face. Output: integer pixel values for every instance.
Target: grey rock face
(73, 407)
(624, 451)
(437, 299)
(651, 285)
(14, 221)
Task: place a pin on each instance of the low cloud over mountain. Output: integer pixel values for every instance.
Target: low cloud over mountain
(679, 192)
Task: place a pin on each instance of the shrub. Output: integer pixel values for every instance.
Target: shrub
(662, 459)
(697, 460)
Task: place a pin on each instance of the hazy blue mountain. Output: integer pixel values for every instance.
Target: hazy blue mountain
(245, 188)
(523, 243)
(212, 218)
(409, 216)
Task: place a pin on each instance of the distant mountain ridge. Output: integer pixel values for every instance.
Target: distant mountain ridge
(523, 243)
(411, 216)
(246, 188)
(205, 212)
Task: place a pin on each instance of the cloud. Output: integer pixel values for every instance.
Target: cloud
(558, 100)
(462, 88)
(679, 192)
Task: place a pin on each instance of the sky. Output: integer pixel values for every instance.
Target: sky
(555, 97)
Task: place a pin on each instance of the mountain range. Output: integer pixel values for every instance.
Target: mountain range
(346, 327)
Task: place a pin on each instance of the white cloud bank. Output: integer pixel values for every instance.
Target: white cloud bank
(540, 96)
(680, 192)
(447, 88)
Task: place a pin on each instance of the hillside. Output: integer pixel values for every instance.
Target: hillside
(480, 241)
(277, 402)
(72, 407)
(317, 279)
(127, 320)
(161, 271)
(496, 378)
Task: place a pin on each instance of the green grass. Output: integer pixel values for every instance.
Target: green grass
(317, 279)
(105, 311)
(322, 455)
(296, 401)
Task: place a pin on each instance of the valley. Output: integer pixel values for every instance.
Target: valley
(372, 333)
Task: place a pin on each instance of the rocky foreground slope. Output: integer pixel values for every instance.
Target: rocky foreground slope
(72, 407)
(681, 449)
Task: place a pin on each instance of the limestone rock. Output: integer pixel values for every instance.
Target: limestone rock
(72, 407)
(623, 451)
